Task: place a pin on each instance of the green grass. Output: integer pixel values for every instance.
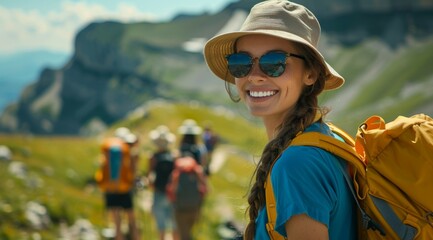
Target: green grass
(57, 171)
(350, 63)
(65, 165)
(353, 61)
(385, 94)
(410, 66)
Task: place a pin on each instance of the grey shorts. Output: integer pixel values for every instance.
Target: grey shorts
(162, 210)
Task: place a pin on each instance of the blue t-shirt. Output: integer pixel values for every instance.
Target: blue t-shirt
(307, 180)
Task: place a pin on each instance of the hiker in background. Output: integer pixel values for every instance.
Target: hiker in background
(278, 72)
(161, 165)
(116, 178)
(210, 140)
(190, 141)
(187, 186)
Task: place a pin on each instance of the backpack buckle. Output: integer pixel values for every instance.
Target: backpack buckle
(368, 223)
(429, 217)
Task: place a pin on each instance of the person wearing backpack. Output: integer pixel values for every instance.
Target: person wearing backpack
(278, 72)
(190, 142)
(161, 165)
(187, 187)
(116, 177)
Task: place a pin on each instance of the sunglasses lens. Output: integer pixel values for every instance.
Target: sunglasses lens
(239, 64)
(273, 64)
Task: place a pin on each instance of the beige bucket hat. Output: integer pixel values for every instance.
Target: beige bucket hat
(279, 18)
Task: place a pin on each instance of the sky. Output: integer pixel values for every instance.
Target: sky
(27, 25)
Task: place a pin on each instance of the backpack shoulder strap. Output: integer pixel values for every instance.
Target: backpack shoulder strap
(344, 150)
(271, 209)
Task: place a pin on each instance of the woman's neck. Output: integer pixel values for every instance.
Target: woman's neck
(273, 122)
(271, 126)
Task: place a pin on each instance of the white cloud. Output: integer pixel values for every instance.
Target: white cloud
(30, 29)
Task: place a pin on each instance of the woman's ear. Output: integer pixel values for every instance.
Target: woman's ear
(310, 77)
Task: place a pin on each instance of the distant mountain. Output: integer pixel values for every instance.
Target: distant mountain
(383, 49)
(19, 69)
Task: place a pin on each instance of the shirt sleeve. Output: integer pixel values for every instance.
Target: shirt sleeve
(303, 183)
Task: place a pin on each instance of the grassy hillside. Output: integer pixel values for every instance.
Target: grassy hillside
(59, 173)
(381, 81)
(57, 170)
(123, 65)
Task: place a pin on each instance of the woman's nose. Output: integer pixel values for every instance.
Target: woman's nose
(256, 73)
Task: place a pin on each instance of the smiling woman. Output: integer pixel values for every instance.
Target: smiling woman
(278, 72)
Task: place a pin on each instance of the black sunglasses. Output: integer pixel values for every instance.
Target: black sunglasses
(272, 64)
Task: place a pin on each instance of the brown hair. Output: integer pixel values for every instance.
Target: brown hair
(303, 115)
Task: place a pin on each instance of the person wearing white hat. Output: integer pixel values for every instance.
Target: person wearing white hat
(121, 132)
(189, 143)
(190, 147)
(278, 71)
(189, 127)
(161, 165)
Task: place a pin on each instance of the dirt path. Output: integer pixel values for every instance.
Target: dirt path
(145, 196)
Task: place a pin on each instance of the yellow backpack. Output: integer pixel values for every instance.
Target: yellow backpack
(390, 175)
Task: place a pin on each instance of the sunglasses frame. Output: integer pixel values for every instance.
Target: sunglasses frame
(254, 59)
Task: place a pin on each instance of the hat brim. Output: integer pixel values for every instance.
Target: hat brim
(155, 135)
(190, 130)
(218, 47)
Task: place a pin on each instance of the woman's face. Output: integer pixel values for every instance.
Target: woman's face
(271, 97)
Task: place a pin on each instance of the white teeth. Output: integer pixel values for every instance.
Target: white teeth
(262, 93)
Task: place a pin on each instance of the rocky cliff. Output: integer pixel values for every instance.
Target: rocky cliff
(117, 67)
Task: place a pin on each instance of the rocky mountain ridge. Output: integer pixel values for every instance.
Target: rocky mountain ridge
(118, 67)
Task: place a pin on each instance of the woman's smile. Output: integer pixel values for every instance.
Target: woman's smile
(261, 94)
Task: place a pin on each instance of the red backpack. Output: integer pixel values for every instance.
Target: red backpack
(187, 185)
(115, 174)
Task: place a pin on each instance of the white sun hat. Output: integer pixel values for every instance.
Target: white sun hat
(189, 126)
(161, 135)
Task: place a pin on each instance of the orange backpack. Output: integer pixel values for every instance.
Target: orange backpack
(390, 175)
(115, 174)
